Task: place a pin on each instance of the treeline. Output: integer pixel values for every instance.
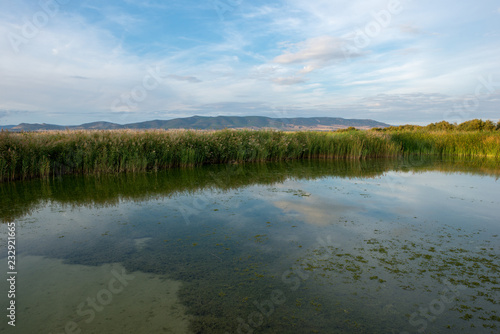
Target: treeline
(472, 125)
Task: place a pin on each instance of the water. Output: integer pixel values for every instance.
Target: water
(376, 246)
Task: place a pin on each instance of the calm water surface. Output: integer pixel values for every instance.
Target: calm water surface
(378, 246)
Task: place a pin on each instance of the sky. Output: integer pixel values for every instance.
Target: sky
(397, 61)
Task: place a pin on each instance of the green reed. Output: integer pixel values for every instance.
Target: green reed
(44, 154)
(464, 144)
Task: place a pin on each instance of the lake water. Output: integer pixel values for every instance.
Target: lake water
(335, 246)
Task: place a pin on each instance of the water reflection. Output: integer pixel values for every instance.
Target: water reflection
(20, 198)
(332, 246)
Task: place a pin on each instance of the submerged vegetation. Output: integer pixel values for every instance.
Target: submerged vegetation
(43, 154)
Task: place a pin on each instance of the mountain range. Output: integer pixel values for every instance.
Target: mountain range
(214, 123)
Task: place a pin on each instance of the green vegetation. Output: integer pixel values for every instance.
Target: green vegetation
(467, 277)
(42, 154)
(472, 125)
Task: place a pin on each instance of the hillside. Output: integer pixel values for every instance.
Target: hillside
(214, 123)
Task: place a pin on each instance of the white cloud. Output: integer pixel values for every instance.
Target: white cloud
(318, 50)
(271, 55)
(410, 29)
(307, 69)
(189, 79)
(288, 81)
(266, 71)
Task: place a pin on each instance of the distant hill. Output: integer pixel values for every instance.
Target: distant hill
(215, 123)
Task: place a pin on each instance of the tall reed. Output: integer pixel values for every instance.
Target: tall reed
(43, 154)
(465, 143)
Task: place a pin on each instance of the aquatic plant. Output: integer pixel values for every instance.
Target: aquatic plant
(42, 154)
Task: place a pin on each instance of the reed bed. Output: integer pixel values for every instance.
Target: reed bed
(43, 154)
(444, 143)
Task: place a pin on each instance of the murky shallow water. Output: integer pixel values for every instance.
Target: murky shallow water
(380, 246)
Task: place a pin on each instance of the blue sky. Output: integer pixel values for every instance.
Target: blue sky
(396, 61)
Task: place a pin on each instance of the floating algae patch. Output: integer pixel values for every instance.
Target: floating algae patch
(454, 284)
(53, 297)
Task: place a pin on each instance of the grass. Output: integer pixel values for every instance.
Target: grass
(43, 154)
(460, 143)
